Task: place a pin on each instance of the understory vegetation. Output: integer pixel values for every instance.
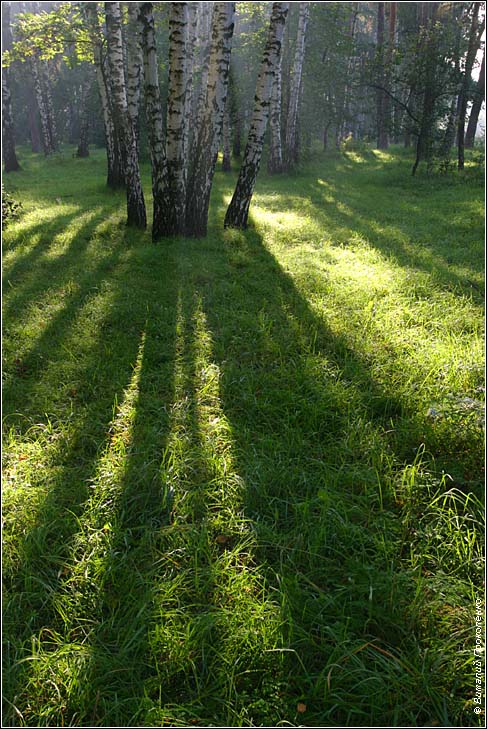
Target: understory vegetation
(243, 474)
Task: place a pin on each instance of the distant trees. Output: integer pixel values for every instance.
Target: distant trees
(210, 83)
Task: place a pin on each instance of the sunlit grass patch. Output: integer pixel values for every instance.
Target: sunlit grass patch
(243, 474)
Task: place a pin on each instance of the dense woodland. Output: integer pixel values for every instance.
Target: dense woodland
(177, 82)
(243, 363)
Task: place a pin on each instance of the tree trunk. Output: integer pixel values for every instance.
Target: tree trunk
(194, 16)
(227, 154)
(83, 150)
(389, 56)
(115, 166)
(134, 67)
(382, 141)
(476, 107)
(41, 105)
(202, 65)
(473, 41)
(291, 146)
(10, 161)
(209, 133)
(235, 115)
(35, 138)
(136, 214)
(274, 164)
(177, 121)
(51, 119)
(155, 124)
(424, 141)
(238, 210)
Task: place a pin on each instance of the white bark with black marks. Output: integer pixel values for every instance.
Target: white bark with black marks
(238, 210)
(136, 214)
(115, 168)
(176, 123)
(210, 130)
(134, 66)
(274, 164)
(291, 146)
(155, 124)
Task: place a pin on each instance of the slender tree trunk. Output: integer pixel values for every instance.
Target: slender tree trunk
(43, 114)
(209, 133)
(134, 67)
(202, 65)
(469, 61)
(155, 123)
(387, 106)
(115, 167)
(194, 16)
(227, 147)
(274, 164)
(424, 141)
(476, 107)
(238, 210)
(10, 161)
(382, 141)
(136, 214)
(51, 119)
(35, 138)
(177, 121)
(235, 114)
(291, 147)
(83, 150)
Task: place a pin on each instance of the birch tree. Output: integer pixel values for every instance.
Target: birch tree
(210, 130)
(83, 150)
(136, 214)
(238, 210)
(274, 164)
(291, 148)
(134, 66)
(177, 116)
(115, 166)
(10, 161)
(473, 44)
(155, 125)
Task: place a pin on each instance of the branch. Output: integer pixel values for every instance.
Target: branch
(395, 99)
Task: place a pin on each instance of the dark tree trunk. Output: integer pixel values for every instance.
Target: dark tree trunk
(10, 161)
(83, 150)
(35, 137)
(382, 141)
(473, 41)
(476, 107)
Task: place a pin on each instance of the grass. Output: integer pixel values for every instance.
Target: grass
(243, 475)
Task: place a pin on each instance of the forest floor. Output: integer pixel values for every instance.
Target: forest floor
(243, 475)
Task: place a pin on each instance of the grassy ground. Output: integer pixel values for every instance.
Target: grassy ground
(242, 475)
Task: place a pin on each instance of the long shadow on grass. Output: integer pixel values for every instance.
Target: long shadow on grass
(292, 391)
(47, 603)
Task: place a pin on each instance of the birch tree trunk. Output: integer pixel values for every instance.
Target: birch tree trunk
(476, 107)
(51, 119)
(155, 125)
(387, 106)
(35, 137)
(274, 164)
(10, 161)
(194, 15)
(238, 210)
(227, 154)
(41, 105)
(177, 121)
(382, 142)
(115, 167)
(83, 150)
(134, 66)
(291, 148)
(202, 66)
(209, 133)
(136, 214)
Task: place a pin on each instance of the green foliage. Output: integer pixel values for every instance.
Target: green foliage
(225, 500)
(11, 209)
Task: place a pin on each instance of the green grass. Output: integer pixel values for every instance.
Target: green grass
(244, 473)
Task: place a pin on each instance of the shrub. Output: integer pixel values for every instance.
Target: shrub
(11, 209)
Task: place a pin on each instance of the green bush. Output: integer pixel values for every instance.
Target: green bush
(11, 209)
